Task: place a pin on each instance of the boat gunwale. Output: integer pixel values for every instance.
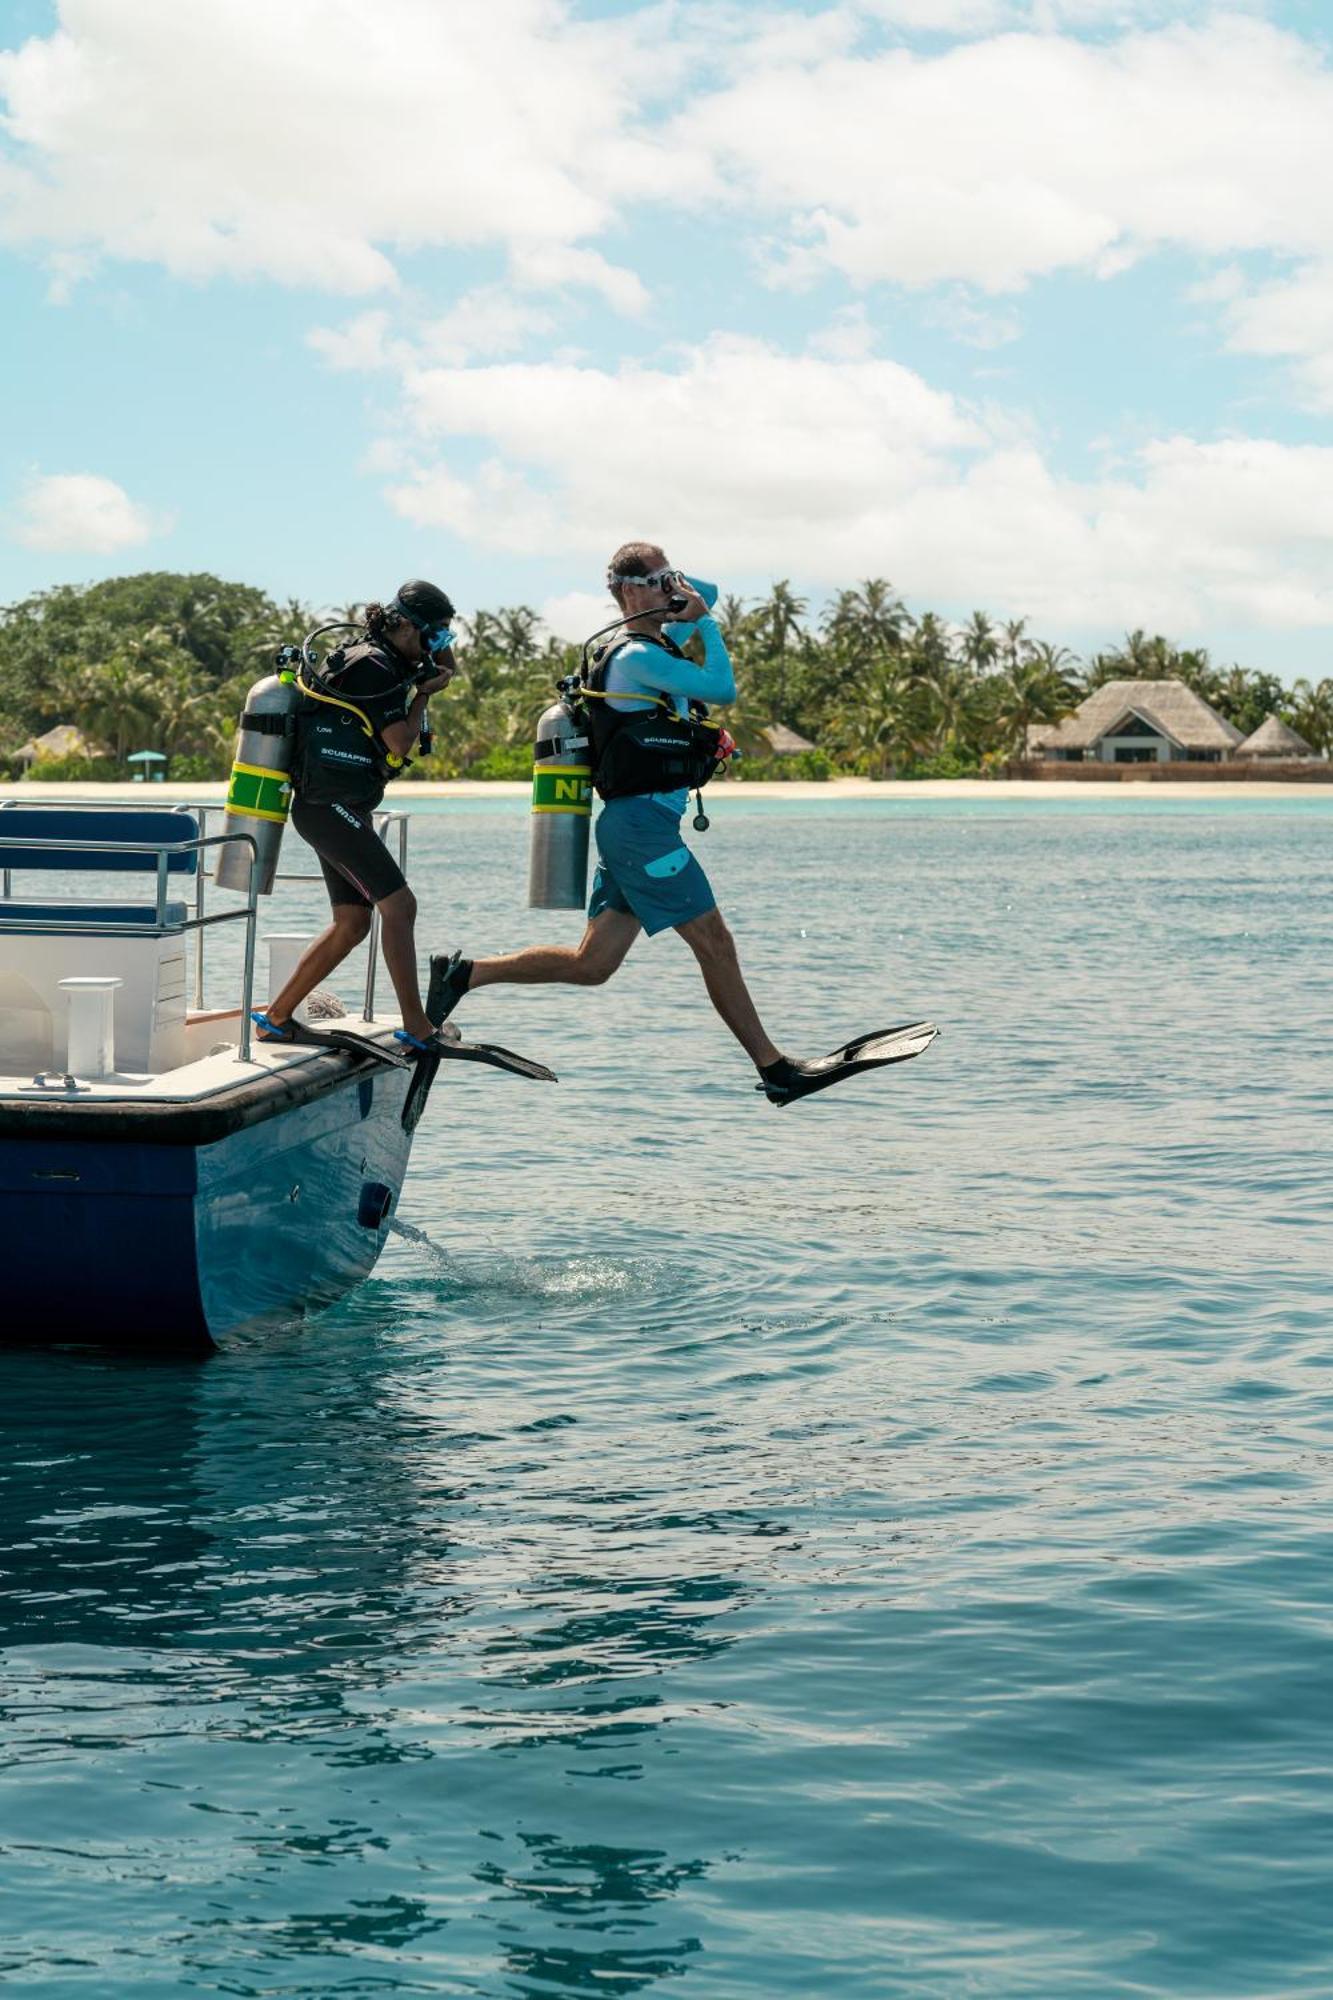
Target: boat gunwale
(197, 1121)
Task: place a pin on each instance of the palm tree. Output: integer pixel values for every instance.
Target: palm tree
(731, 616)
(783, 612)
(1039, 688)
(878, 725)
(978, 644)
(1311, 714)
(868, 621)
(518, 632)
(779, 623)
(115, 702)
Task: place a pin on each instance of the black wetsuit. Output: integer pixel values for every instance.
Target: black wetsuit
(341, 773)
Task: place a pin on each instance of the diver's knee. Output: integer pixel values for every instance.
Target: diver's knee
(353, 919)
(595, 971)
(400, 907)
(709, 937)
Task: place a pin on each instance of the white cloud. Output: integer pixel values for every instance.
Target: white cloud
(577, 613)
(973, 325)
(315, 144)
(744, 459)
(555, 267)
(997, 161)
(81, 513)
(983, 17)
(1292, 319)
(310, 143)
(737, 440)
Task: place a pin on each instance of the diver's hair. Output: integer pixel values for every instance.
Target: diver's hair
(632, 559)
(378, 620)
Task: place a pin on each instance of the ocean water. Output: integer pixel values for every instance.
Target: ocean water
(882, 1547)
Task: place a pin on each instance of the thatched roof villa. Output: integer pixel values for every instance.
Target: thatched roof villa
(1137, 722)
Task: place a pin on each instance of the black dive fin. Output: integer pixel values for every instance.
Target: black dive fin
(498, 1058)
(348, 1044)
(873, 1051)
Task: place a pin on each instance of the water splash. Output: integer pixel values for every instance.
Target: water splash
(568, 1278)
(411, 1234)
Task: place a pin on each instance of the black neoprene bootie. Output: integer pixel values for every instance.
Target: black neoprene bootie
(778, 1080)
(783, 1081)
(449, 976)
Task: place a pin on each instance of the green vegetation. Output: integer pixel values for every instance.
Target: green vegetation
(163, 661)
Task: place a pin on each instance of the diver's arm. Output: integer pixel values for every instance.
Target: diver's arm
(652, 669)
(400, 737)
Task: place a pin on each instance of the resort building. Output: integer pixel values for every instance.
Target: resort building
(783, 742)
(62, 741)
(1137, 722)
(1276, 739)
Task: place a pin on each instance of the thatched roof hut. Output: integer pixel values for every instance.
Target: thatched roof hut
(784, 742)
(1166, 718)
(1275, 738)
(62, 741)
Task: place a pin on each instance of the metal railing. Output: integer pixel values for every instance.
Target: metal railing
(200, 922)
(162, 853)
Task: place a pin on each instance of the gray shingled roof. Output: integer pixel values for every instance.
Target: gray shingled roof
(1169, 705)
(1273, 738)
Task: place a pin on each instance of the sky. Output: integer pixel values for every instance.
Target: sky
(1024, 305)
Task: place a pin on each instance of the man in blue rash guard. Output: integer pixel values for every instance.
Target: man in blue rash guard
(647, 878)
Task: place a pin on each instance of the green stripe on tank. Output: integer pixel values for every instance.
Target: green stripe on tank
(562, 788)
(261, 794)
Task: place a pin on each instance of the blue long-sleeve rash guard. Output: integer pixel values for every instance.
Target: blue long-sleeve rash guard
(643, 667)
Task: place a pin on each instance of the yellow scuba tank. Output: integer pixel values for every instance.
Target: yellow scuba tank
(259, 796)
(561, 806)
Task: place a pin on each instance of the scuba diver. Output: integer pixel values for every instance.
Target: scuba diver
(647, 879)
(354, 731)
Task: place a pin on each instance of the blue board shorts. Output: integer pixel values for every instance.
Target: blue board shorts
(645, 868)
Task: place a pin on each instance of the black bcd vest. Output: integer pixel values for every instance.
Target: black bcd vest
(653, 750)
(336, 762)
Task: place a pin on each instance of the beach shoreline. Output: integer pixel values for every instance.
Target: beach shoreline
(830, 791)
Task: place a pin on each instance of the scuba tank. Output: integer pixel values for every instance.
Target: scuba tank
(561, 805)
(259, 795)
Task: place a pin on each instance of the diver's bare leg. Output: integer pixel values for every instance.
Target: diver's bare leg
(398, 942)
(600, 952)
(350, 923)
(715, 948)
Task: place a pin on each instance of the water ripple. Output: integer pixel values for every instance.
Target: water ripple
(881, 1549)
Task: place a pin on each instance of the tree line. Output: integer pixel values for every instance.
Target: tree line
(162, 661)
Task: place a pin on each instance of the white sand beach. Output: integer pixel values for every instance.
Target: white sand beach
(998, 790)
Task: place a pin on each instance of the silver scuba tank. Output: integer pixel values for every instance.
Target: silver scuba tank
(259, 795)
(561, 808)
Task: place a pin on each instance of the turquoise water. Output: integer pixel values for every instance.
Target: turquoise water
(875, 1548)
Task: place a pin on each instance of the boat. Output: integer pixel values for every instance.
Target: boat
(167, 1180)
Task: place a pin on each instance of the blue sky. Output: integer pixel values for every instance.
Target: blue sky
(1024, 304)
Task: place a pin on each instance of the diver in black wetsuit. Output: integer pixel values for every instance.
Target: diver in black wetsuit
(351, 738)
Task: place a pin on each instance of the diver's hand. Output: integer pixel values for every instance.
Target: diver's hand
(694, 608)
(445, 669)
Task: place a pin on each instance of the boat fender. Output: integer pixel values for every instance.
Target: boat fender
(372, 1211)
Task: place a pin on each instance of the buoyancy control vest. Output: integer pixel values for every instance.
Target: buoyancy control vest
(648, 750)
(341, 757)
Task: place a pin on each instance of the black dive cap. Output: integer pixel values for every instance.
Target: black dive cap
(423, 604)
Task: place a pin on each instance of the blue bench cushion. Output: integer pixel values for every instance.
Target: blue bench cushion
(15, 914)
(37, 823)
